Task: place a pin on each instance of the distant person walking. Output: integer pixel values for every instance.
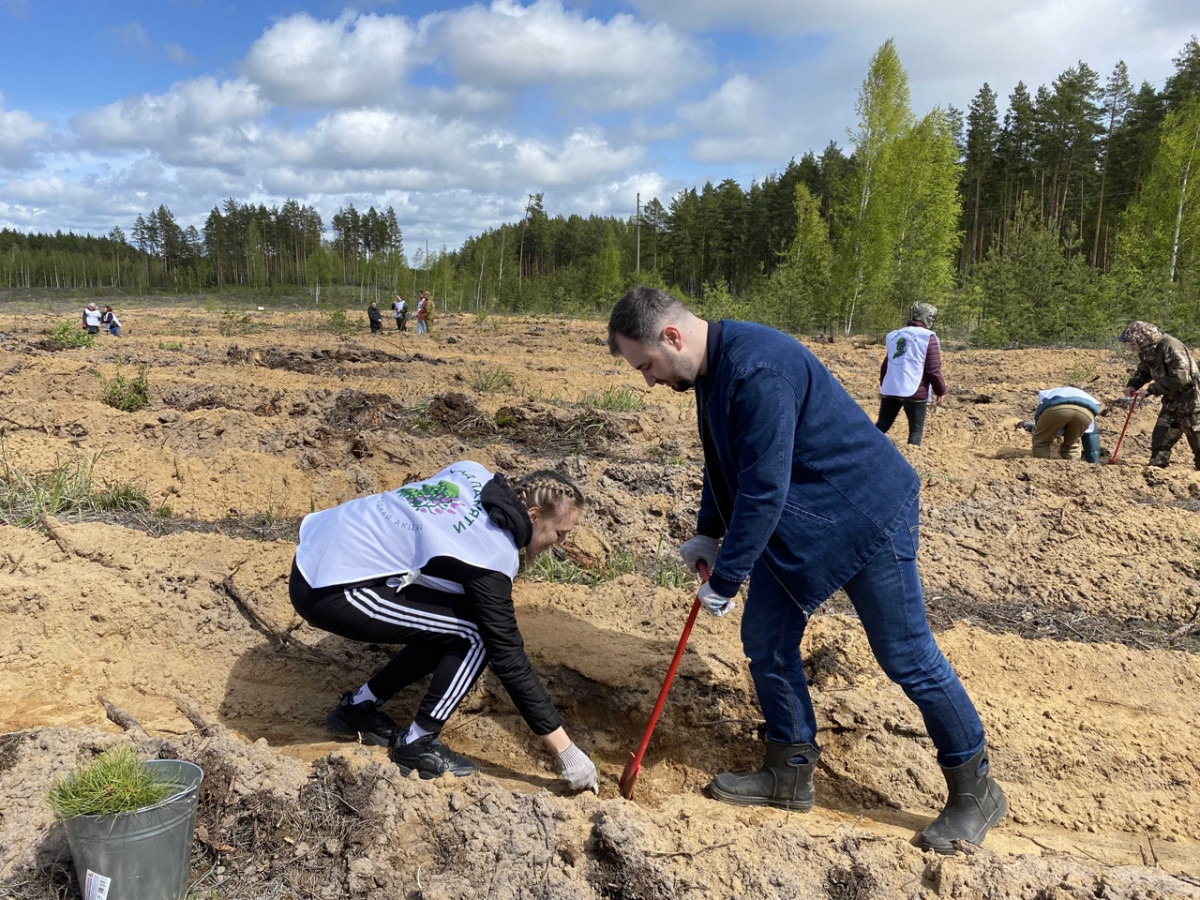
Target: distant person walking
(912, 366)
(1071, 413)
(423, 314)
(1167, 370)
(91, 319)
(374, 317)
(110, 321)
(400, 310)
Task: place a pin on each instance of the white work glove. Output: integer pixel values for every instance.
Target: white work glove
(577, 770)
(700, 548)
(714, 602)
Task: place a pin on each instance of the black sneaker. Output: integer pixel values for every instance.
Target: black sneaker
(431, 758)
(364, 721)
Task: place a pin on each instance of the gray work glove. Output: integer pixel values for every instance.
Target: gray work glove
(714, 602)
(577, 770)
(701, 547)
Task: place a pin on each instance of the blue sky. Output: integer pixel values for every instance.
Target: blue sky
(453, 113)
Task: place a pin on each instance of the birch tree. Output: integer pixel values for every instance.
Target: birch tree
(866, 233)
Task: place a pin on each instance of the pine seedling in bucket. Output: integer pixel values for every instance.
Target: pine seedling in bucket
(129, 824)
(116, 782)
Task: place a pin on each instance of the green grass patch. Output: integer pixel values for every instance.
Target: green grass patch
(234, 323)
(116, 782)
(613, 399)
(69, 337)
(127, 394)
(663, 569)
(69, 487)
(339, 323)
(490, 379)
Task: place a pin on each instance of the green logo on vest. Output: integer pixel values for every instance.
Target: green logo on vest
(441, 497)
(901, 344)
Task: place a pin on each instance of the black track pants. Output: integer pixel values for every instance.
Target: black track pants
(435, 627)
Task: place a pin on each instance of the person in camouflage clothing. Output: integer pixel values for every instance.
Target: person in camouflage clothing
(1167, 370)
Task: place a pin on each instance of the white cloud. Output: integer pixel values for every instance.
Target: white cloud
(615, 64)
(616, 197)
(584, 155)
(380, 148)
(190, 109)
(357, 59)
(131, 37)
(739, 105)
(19, 133)
(736, 122)
(178, 55)
(785, 17)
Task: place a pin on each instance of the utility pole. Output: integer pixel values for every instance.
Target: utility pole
(637, 230)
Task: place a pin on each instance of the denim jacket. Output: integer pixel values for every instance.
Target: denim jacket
(795, 472)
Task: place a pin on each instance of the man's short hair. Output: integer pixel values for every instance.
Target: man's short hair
(639, 316)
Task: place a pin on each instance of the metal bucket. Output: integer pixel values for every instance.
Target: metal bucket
(144, 854)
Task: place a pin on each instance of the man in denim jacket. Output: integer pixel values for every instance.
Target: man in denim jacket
(803, 495)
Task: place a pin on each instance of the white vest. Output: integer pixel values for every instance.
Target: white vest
(398, 532)
(906, 349)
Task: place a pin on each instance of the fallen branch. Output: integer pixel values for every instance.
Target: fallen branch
(246, 605)
(119, 717)
(691, 854)
(191, 711)
(53, 528)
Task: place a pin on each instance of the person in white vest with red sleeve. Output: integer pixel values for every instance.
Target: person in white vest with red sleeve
(912, 366)
(430, 565)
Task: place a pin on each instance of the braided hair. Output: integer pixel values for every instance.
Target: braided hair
(548, 491)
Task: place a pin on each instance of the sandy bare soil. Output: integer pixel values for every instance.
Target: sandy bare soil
(1065, 594)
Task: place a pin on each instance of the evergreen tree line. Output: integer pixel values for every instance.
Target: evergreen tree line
(1077, 209)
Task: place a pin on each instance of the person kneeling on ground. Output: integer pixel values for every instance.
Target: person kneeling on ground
(110, 321)
(1070, 412)
(91, 319)
(431, 565)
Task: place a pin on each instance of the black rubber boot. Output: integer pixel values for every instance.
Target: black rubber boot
(785, 779)
(975, 803)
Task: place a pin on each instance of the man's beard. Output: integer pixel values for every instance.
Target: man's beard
(682, 385)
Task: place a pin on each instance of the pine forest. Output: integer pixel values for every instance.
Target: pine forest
(1070, 213)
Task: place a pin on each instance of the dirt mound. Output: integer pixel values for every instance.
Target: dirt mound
(308, 362)
(588, 432)
(1066, 595)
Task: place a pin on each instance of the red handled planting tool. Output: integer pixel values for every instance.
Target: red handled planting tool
(634, 767)
(1117, 449)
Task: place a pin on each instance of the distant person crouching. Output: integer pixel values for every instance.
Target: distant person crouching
(110, 321)
(91, 319)
(1070, 412)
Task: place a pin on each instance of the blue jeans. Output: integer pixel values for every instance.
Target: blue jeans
(889, 601)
